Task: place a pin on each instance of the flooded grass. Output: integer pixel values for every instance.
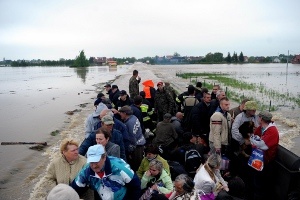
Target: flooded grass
(54, 133)
(237, 90)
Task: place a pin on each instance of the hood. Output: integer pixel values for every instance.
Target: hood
(99, 109)
(148, 83)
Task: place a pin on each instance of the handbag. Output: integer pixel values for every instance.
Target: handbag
(203, 196)
(256, 159)
(147, 194)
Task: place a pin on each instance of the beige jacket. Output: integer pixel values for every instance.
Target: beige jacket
(60, 171)
(219, 129)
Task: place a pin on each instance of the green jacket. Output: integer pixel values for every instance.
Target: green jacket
(164, 183)
(144, 166)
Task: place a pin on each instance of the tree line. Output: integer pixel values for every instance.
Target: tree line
(210, 58)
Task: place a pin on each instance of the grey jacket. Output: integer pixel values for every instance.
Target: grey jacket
(112, 149)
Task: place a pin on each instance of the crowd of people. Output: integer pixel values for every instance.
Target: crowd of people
(157, 144)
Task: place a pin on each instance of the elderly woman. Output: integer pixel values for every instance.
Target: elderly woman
(184, 188)
(208, 179)
(102, 137)
(151, 153)
(156, 179)
(64, 168)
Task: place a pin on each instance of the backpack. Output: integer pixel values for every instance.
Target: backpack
(176, 169)
(192, 161)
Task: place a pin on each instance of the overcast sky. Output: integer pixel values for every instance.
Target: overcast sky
(53, 29)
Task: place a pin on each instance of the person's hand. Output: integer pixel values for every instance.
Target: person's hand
(225, 188)
(148, 173)
(218, 150)
(114, 110)
(154, 187)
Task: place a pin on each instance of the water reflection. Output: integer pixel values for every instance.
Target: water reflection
(82, 72)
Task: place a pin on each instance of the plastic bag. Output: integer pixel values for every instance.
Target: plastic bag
(256, 159)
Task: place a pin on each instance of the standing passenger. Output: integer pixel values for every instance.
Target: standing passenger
(163, 102)
(220, 124)
(237, 110)
(266, 138)
(134, 84)
(137, 140)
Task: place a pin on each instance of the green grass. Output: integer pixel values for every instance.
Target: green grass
(223, 79)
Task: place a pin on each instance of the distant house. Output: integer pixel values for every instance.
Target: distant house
(195, 58)
(276, 60)
(177, 59)
(111, 62)
(259, 59)
(169, 57)
(99, 60)
(296, 59)
(246, 59)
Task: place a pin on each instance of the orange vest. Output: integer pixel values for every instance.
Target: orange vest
(147, 92)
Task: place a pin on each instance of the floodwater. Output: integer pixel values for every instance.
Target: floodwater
(278, 80)
(33, 103)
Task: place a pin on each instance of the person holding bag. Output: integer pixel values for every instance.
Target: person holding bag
(156, 180)
(208, 180)
(265, 139)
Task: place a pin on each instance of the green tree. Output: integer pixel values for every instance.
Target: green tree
(241, 57)
(81, 60)
(91, 60)
(217, 57)
(228, 58)
(209, 58)
(176, 54)
(251, 59)
(234, 57)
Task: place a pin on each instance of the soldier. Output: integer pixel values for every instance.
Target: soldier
(134, 84)
(163, 102)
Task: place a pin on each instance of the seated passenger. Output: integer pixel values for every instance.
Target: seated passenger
(183, 188)
(103, 138)
(208, 179)
(111, 177)
(156, 180)
(62, 192)
(151, 153)
(65, 167)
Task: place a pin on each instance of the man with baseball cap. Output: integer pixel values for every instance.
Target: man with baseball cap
(245, 119)
(110, 177)
(123, 100)
(137, 139)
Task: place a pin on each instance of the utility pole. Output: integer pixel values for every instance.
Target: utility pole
(287, 65)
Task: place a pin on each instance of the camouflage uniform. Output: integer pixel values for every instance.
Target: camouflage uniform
(170, 90)
(163, 104)
(134, 87)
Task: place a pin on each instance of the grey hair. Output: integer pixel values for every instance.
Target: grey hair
(219, 92)
(181, 178)
(157, 164)
(214, 160)
(107, 112)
